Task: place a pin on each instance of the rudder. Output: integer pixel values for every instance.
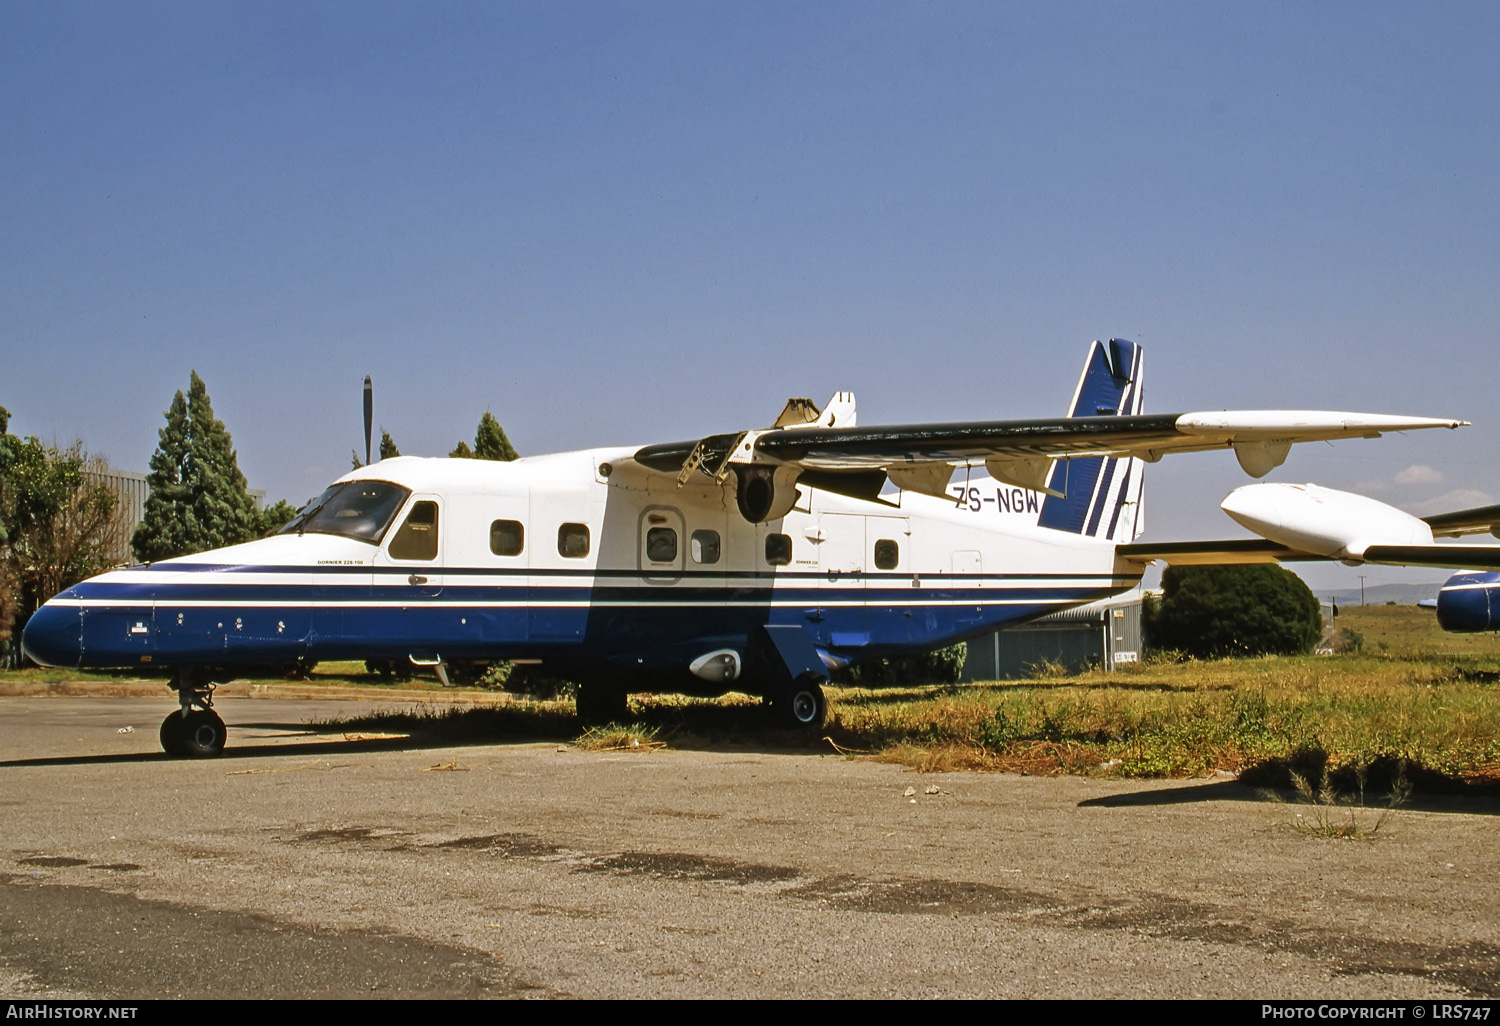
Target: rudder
(1101, 496)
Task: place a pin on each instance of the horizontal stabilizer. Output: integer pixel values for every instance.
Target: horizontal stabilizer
(1211, 553)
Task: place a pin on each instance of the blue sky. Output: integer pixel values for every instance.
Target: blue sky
(629, 223)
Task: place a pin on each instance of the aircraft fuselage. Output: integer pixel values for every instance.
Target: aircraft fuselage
(591, 565)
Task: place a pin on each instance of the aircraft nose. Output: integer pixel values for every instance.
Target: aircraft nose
(1463, 606)
(54, 636)
(1258, 507)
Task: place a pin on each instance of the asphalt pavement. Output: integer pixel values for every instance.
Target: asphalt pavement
(312, 862)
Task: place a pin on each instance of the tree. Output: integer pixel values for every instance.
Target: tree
(387, 450)
(490, 442)
(274, 518)
(198, 498)
(1215, 611)
(8, 586)
(56, 522)
(387, 445)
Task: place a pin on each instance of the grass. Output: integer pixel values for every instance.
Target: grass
(1334, 815)
(333, 674)
(1261, 717)
(617, 737)
(1406, 631)
(1416, 705)
(1350, 723)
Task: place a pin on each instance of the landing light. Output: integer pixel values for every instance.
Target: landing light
(718, 666)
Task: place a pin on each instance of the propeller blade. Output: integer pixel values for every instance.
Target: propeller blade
(369, 415)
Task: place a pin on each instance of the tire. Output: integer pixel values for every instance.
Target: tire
(198, 735)
(803, 708)
(169, 733)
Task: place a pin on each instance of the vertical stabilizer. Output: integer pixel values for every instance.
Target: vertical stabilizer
(1101, 496)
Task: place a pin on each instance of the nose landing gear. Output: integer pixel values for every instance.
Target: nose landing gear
(194, 731)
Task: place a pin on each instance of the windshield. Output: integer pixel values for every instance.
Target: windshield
(355, 509)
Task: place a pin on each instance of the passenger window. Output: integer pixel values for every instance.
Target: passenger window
(661, 545)
(778, 549)
(887, 554)
(507, 537)
(418, 537)
(705, 546)
(573, 540)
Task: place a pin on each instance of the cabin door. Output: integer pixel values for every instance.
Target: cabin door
(661, 548)
(410, 567)
(840, 539)
(890, 582)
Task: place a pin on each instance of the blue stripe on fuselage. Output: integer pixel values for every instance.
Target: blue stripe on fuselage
(515, 621)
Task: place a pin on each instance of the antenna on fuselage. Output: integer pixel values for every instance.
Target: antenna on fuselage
(369, 415)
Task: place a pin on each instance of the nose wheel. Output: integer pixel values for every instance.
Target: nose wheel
(198, 735)
(193, 731)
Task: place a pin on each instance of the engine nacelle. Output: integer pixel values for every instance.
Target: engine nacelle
(765, 492)
(1470, 602)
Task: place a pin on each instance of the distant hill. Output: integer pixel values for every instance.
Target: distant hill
(1407, 594)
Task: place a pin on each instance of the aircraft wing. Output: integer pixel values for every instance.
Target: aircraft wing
(1022, 451)
(1447, 557)
(1310, 522)
(1466, 521)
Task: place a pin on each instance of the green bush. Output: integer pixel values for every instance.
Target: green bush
(1216, 611)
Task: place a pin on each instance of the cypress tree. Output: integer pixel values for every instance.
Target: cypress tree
(198, 499)
(490, 442)
(387, 445)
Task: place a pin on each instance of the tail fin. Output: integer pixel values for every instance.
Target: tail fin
(1101, 496)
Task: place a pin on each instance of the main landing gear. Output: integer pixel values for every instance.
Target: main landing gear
(194, 731)
(599, 704)
(802, 707)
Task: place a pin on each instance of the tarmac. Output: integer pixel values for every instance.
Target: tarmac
(312, 861)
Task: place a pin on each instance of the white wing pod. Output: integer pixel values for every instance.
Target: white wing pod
(1323, 521)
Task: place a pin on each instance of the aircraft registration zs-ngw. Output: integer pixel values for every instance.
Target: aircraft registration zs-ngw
(755, 561)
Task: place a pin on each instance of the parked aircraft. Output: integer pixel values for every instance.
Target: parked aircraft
(753, 561)
(1303, 522)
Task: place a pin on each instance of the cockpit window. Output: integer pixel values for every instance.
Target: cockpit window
(355, 509)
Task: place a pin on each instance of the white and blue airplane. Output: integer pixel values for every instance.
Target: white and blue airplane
(1298, 522)
(754, 561)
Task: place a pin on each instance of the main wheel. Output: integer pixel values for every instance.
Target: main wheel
(198, 735)
(804, 707)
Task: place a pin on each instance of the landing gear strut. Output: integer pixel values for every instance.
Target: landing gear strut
(599, 704)
(194, 731)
